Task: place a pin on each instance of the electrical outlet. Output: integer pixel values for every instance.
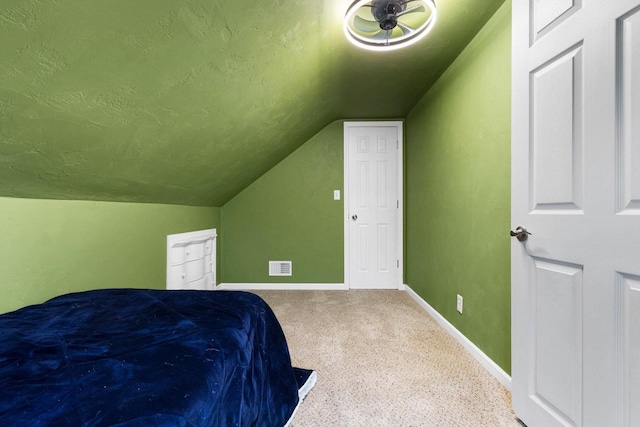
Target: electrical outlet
(459, 304)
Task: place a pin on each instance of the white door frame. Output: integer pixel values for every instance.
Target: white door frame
(346, 195)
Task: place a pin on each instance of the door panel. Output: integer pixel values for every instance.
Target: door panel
(383, 245)
(361, 257)
(549, 13)
(628, 308)
(629, 105)
(372, 206)
(556, 125)
(557, 338)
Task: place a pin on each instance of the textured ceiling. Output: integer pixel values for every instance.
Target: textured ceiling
(188, 102)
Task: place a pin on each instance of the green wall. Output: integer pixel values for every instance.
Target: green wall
(289, 214)
(51, 247)
(458, 191)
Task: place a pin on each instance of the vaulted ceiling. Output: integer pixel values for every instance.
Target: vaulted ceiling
(189, 101)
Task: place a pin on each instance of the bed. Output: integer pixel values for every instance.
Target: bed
(133, 357)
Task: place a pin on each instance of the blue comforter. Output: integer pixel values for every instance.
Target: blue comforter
(132, 357)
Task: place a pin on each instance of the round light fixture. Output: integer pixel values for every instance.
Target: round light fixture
(389, 24)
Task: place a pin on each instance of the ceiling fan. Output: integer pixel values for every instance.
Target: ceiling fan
(389, 24)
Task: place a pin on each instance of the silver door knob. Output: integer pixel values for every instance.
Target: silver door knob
(521, 233)
(354, 217)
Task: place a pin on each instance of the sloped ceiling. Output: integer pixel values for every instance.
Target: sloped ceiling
(189, 101)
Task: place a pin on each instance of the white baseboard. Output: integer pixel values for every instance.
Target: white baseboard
(489, 365)
(281, 286)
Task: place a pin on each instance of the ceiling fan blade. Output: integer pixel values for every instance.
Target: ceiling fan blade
(382, 35)
(411, 1)
(406, 29)
(365, 26)
(419, 8)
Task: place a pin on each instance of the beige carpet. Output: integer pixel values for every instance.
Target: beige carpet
(383, 361)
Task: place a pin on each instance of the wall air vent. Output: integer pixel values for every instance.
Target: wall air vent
(279, 268)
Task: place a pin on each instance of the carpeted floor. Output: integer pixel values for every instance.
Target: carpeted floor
(383, 361)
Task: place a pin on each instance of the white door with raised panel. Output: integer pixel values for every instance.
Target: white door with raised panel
(373, 171)
(576, 189)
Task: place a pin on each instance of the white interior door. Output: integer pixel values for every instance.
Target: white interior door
(576, 188)
(372, 205)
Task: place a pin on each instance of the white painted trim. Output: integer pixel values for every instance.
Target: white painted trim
(345, 193)
(345, 204)
(281, 286)
(181, 239)
(489, 365)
